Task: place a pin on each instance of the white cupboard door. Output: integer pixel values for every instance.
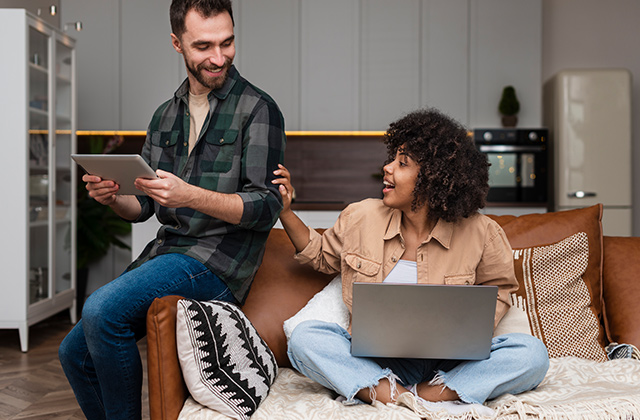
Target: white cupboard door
(329, 64)
(270, 58)
(390, 71)
(150, 69)
(445, 57)
(98, 64)
(506, 49)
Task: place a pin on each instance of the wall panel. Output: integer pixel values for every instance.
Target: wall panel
(445, 57)
(329, 65)
(390, 66)
(506, 49)
(150, 67)
(270, 59)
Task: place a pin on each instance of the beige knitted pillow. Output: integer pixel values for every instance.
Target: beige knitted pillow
(556, 298)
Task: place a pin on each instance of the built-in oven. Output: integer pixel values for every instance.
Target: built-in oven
(519, 164)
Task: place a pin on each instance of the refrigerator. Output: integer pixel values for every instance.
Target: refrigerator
(588, 113)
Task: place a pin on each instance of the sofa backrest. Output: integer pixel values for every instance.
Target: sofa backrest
(281, 288)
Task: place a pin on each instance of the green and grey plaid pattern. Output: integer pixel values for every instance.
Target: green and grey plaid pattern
(240, 145)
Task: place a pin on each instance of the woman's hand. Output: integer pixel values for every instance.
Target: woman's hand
(286, 189)
(296, 229)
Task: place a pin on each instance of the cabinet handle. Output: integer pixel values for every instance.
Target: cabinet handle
(581, 194)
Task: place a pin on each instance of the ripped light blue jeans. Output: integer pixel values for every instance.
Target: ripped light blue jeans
(322, 351)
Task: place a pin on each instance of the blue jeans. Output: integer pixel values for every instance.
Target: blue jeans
(100, 356)
(322, 351)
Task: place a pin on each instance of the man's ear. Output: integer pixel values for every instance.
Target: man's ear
(177, 45)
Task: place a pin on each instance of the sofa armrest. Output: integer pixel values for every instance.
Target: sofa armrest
(621, 289)
(167, 390)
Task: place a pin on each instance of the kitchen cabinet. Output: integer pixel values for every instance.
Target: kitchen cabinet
(390, 55)
(330, 65)
(505, 49)
(253, 51)
(37, 80)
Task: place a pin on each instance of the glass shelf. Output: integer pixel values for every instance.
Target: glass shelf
(41, 273)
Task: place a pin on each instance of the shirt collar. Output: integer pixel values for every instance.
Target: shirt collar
(442, 231)
(182, 93)
(393, 228)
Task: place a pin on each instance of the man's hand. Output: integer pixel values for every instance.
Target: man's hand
(103, 191)
(167, 190)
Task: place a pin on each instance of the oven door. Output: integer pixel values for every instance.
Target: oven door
(517, 173)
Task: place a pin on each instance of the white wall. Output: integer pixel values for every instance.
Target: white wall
(596, 34)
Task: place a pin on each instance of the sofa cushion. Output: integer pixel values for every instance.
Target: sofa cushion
(556, 298)
(621, 288)
(533, 230)
(226, 365)
(327, 305)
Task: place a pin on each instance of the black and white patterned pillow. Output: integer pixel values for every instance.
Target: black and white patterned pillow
(226, 365)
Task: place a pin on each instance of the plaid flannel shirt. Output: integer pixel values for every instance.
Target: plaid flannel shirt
(240, 145)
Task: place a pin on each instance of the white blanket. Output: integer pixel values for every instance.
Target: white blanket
(574, 389)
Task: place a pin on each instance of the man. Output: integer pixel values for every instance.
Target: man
(214, 146)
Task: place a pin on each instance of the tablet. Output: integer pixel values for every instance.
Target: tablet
(122, 169)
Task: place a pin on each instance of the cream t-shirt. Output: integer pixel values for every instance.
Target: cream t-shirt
(198, 110)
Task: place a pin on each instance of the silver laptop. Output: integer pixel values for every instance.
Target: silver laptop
(422, 321)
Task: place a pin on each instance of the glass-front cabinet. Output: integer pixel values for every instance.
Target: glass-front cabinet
(38, 115)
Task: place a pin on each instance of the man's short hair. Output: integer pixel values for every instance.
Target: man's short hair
(206, 8)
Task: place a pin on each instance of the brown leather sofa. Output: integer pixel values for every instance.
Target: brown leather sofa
(283, 286)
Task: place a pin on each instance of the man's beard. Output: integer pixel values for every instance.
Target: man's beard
(210, 82)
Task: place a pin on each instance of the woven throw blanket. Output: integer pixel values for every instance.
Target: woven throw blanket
(574, 389)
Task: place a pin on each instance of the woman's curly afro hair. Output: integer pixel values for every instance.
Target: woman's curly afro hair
(454, 176)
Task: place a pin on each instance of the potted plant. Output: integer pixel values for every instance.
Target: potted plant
(509, 107)
(98, 226)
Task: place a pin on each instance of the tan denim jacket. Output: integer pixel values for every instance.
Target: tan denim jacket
(366, 243)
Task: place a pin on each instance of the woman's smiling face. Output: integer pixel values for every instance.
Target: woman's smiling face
(400, 176)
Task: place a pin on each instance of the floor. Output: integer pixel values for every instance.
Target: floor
(32, 384)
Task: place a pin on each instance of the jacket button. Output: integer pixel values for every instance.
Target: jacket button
(359, 265)
(221, 141)
(393, 259)
(166, 142)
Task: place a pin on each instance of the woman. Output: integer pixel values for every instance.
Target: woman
(427, 225)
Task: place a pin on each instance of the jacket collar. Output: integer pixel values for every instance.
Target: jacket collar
(442, 231)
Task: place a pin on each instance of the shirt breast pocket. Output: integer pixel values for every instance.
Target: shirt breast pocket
(219, 155)
(163, 148)
(460, 279)
(361, 269)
